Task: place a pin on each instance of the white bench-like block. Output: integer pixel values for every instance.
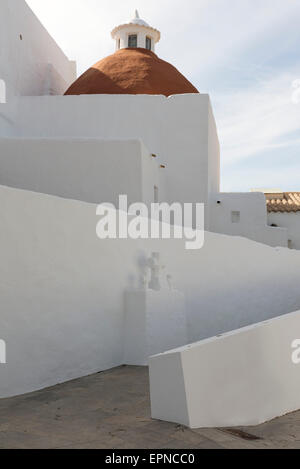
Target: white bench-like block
(241, 378)
(155, 321)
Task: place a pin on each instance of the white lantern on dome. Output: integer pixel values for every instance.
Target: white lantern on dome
(136, 34)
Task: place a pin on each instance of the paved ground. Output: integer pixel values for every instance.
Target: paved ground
(111, 410)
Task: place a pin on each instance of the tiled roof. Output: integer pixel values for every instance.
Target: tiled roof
(132, 71)
(283, 202)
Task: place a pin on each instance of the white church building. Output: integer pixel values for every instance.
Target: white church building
(126, 108)
(131, 124)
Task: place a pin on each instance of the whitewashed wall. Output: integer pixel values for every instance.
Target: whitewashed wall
(179, 129)
(31, 63)
(242, 378)
(92, 170)
(62, 289)
(289, 221)
(61, 311)
(253, 218)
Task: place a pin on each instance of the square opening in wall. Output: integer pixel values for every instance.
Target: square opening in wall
(235, 217)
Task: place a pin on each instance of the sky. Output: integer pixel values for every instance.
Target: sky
(244, 53)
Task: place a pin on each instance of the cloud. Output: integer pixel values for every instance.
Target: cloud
(257, 118)
(240, 178)
(195, 35)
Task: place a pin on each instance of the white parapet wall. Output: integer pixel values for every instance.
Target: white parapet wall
(31, 64)
(62, 288)
(180, 130)
(155, 321)
(90, 170)
(289, 221)
(245, 214)
(242, 378)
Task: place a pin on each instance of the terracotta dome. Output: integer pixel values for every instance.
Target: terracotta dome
(132, 71)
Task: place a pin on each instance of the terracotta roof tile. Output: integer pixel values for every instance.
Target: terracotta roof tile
(283, 202)
(132, 71)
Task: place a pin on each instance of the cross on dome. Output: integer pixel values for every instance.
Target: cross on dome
(136, 34)
(138, 20)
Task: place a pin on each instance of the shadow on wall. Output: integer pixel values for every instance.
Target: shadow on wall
(2, 92)
(132, 71)
(93, 80)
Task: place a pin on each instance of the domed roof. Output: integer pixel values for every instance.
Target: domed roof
(132, 71)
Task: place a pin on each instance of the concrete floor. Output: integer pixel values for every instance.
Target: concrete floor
(111, 410)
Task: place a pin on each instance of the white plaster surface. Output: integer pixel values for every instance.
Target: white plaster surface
(180, 130)
(90, 170)
(31, 63)
(245, 377)
(253, 222)
(61, 292)
(289, 221)
(62, 289)
(154, 322)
